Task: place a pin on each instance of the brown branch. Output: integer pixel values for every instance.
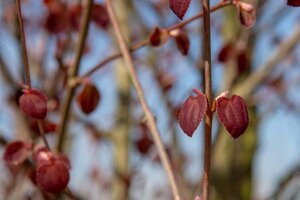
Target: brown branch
(146, 42)
(66, 104)
(23, 41)
(208, 94)
(148, 114)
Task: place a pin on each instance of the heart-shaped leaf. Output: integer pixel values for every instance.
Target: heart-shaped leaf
(191, 112)
(179, 7)
(88, 98)
(16, 153)
(295, 3)
(232, 113)
(33, 103)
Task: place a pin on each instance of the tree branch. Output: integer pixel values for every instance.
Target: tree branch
(66, 104)
(150, 119)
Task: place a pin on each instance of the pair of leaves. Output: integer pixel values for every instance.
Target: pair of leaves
(160, 36)
(232, 113)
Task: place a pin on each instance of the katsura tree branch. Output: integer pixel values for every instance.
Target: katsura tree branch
(23, 44)
(66, 104)
(208, 94)
(146, 42)
(148, 114)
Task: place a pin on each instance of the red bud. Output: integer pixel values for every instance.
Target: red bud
(88, 98)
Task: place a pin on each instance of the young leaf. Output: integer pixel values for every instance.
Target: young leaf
(247, 14)
(182, 41)
(16, 153)
(295, 3)
(88, 98)
(158, 37)
(191, 112)
(33, 103)
(100, 16)
(179, 7)
(232, 113)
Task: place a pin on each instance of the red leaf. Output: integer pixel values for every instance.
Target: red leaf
(226, 52)
(88, 98)
(247, 14)
(74, 14)
(100, 16)
(158, 37)
(232, 113)
(182, 40)
(179, 7)
(57, 19)
(191, 112)
(53, 177)
(16, 153)
(295, 3)
(33, 103)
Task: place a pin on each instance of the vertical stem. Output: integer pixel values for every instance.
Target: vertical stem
(23, 41)
(208, 94)
(66, 104)
(148, 114)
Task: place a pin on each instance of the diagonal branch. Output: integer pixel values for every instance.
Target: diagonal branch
(148, 114)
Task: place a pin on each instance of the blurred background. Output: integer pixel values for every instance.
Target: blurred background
(111, 150)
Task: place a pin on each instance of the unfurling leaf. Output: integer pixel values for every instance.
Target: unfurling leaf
(295, 3)
(191, 112)
(33, 103)
(52, 171)
(179, 7)
(182, 40)
(16, 153)
(158, 37)
(232, 113)
(247, 14)
(88, 98)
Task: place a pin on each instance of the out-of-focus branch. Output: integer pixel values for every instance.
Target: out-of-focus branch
(146, 42)
(149, 116)
(258, 76)
(66, 104)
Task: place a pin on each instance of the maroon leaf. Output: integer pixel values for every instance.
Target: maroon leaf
(158, 37)
(53, 177)
(74, 14)
(295, 3)
(247, 14)
(226, 52)
(179, 7)
(52, 171)
(57, 19)
(100, 16)
(88, 98)
(232, 113)
(182, 40)
(16, 153)
(191, 112)
(33, 103)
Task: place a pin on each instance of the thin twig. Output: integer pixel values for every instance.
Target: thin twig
(146, 42)
(66, 104)
(149, 116)
(208, 94)
(23, 41)
(42, 133)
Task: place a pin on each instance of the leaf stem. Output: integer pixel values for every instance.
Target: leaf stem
(208, 94)
(23, 44)
(148, 114)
